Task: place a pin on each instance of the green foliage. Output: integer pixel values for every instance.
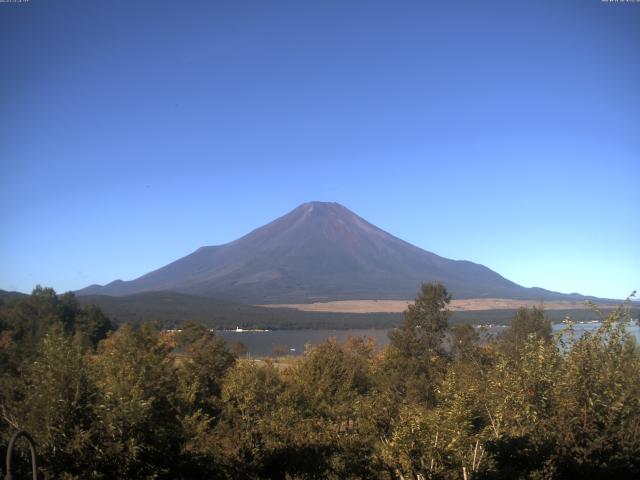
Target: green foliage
(171, 309)
(525, 326)
(57, 406)
(200, 371)
(250, 432)
(330, 378)
(91, 325)
(598, 416)
(465, 343)
(425, 323)
(139, 430)
(437, 403)
(332, 388)
(415, 359)
(27, 319)
(206, 361)
(570, 411)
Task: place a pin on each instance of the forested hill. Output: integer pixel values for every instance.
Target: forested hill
(6, 296)
(170, 309)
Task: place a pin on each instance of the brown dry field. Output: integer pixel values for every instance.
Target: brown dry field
(395, 306)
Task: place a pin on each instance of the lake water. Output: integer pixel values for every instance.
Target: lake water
(263, 344)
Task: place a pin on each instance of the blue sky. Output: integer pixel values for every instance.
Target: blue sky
(506, 133)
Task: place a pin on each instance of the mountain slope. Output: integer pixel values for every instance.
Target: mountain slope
(319, 251)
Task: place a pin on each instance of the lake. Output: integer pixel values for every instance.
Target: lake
(263, 343)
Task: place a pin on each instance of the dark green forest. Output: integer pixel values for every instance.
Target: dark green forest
(437, 403)
(170, 309)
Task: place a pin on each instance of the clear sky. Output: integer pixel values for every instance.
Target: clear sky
(502, 132)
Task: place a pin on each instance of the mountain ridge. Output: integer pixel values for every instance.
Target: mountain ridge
(320, 251)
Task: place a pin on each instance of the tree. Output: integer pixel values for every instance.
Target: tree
(465, 343)
(328, 397)
(596, 424)
(425, 323)
(203, 363)
(30, 318)
(330, 377)
(140, 433)
(58, 408)
(92, 324)
(526, 324)
(207, 360)
(250, 433)
(519, 401)
(445, 442)
(415, 358)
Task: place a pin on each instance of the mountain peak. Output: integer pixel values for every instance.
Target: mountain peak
(320, 204)
(312, 221)
(322, 207)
